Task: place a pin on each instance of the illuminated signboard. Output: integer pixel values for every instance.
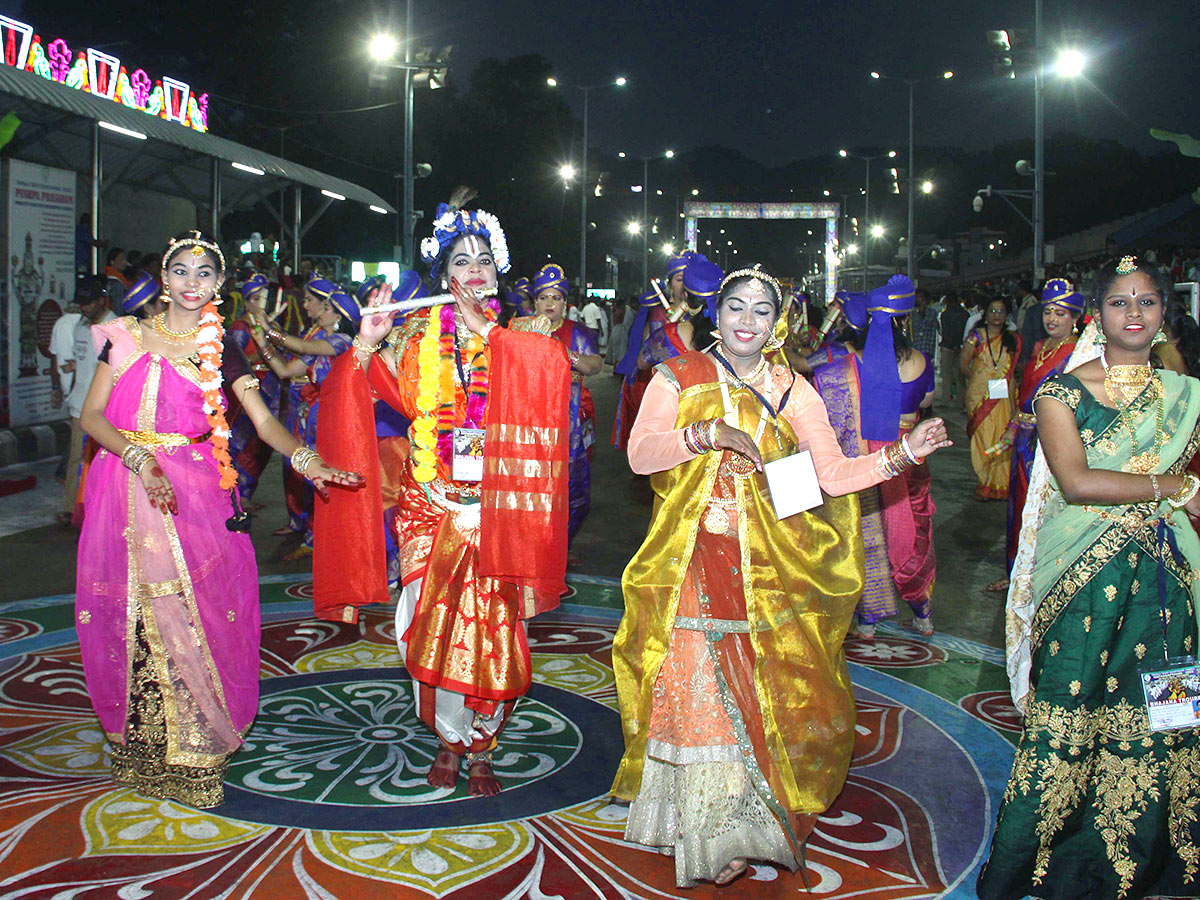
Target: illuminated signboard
(101, 74)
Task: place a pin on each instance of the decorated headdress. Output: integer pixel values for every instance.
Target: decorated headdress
(677, 264)
(198, 247)
(550, 277)
(1060, 292)
(140, 293)
(255, 283)
(881, 389)
(453, 221)
(335, 297)
(1127, 265)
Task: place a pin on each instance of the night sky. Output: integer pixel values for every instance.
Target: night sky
(776, 80)
(782, 80)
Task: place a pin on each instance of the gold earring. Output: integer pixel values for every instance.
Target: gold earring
(773, 343)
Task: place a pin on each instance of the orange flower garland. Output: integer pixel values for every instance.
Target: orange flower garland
(423, 432)
(212, 331)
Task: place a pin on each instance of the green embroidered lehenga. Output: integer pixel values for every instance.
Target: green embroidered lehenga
(1098, 806)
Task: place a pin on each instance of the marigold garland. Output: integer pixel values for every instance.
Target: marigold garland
(432, 434)
(209, 338)
(423, 432)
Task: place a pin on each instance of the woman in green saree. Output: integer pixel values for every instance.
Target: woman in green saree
(1098, 805)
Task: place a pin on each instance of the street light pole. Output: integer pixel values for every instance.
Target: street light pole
(409, 185)
(1039, 139)
(583, 186)
(645, 224)
(866, 229)
(908, 250)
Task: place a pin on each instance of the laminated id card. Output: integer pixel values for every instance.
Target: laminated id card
(792, 483)
(997, 388)
(467, 464)
(1172, 693)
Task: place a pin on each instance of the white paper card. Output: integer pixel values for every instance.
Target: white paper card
(997, 388)
(467, 464)
(793, 484)
(1172, 695)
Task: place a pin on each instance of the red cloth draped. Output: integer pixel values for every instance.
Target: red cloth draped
(349, 556)
(523, 525)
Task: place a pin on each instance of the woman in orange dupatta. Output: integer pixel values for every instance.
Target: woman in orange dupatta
(734, 693)
(988, 362)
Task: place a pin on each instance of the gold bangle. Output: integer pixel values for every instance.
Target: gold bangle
(486, 331)
(134, 456)
(1191, 486)
(1154, 485)
(359, 344)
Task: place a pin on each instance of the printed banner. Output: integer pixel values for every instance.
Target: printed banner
(41, 282)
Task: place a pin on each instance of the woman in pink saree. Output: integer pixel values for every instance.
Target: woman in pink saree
(167, 588)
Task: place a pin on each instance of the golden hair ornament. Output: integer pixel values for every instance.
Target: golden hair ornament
(1127, 265)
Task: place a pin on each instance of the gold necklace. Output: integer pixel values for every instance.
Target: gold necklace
(1048, 350)
(1123, 383)
(160, 325)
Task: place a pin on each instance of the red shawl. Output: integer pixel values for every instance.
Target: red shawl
(524, 491)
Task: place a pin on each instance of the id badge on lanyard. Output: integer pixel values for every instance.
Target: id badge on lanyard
(1172, 692)
(467, 463)
(997, 388)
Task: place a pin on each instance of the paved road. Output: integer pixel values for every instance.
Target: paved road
(37, 558)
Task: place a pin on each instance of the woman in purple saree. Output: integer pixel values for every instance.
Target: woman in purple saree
(167, 589)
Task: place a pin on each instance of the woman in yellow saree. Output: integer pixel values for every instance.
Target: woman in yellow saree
(735, 697)
(988, 362)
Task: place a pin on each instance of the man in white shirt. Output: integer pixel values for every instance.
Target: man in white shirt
(62, 356)
(92, 297)
(596, 319)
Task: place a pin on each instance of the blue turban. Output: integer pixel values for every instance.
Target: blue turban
(140, 293)
(881, 387)
(521, 286)
(677, 264)
(550, 277)
(854, 308)
(410, 287)
(365, 289)
(702, 279)
(334, 295)
(255, 283)
(628, 364)
(1060, 292)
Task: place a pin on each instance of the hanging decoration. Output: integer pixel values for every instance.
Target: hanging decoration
(101, 74)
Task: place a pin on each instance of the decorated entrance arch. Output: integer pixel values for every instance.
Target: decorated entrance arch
(695, 210)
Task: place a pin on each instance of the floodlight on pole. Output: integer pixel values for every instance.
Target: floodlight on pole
(926, 187)
(382, 47)
(877, 231)
(1070, 63)
(633, 227)
(552, 82)
(566, 172)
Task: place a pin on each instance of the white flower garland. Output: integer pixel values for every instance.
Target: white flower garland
(459, 222)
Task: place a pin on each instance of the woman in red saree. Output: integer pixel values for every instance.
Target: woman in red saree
(1061, 307)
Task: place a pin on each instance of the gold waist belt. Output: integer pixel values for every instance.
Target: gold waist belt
(161, 439)
(1026, 418)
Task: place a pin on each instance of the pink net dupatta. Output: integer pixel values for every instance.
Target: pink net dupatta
(193, 583)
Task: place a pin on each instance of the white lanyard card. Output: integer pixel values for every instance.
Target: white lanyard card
(1173, 694)
(792, 482)
(997, 388)
(467, 464)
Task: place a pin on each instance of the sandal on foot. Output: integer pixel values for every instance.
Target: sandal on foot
(731, 872)
(444, 771)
